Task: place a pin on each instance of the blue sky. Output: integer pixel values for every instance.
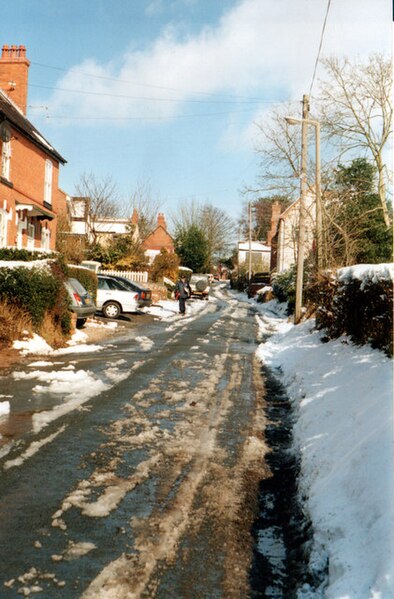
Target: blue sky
(167, 92)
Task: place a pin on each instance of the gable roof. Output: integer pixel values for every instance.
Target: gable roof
(18, 120)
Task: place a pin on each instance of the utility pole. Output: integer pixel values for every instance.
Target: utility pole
(250, 242)
(301, 226)
(319, 219)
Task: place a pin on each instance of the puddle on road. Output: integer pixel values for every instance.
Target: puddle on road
(282, 532)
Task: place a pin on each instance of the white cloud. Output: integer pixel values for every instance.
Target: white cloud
(259, 48)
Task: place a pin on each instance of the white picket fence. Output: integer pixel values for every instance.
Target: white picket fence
(139, 277)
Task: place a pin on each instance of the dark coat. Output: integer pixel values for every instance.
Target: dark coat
(183, 288)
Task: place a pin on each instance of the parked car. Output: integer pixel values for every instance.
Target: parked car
(113, 298)
(258, 281)
(199, 284)
(144, 294)
(81, 302)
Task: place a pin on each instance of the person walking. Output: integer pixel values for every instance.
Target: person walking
(182, 293)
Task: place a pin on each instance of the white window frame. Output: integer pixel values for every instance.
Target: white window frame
(45, 239)
(3, 228)
(48, 182)
(6, 160)
(31, 231)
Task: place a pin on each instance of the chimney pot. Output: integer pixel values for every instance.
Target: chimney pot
(14, 67)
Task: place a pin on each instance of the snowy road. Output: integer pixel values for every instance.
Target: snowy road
(133, 471)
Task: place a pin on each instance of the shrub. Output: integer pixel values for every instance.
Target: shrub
(165, 265)
(22, 255)
(39, 292)
(14, 321)
(361, 308)
(283, 287)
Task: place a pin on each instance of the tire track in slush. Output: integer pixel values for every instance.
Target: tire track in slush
(192, 465)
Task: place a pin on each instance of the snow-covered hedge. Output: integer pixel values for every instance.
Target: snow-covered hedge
(357, 301)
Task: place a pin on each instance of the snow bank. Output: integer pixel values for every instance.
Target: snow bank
(342, 396)
(4, 407)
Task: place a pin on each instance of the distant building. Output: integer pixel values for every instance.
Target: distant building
(284, 233)
(261, 255)
(159, 239)
(30, 199)
(99, 230)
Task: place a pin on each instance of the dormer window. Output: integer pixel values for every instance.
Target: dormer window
(48, 182)
(6, 159)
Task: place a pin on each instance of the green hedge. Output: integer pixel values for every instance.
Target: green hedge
(362, 309)
(37, 290)
(23, 255)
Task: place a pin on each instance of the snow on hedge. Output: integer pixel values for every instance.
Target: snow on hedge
(368, 273)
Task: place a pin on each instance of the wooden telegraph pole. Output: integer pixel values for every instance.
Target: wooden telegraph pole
(301, 226)
(250, 242)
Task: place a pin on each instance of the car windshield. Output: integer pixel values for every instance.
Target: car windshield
(129, 284)
(78, 287)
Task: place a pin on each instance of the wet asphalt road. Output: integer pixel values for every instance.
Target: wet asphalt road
(149, 487)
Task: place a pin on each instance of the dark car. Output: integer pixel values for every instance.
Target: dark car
(258, 281)
(81, 302)
(144, 294)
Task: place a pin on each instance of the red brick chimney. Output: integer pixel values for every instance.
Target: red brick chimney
(275, 214)
(14, 70)
(161, 221)
(134, 218)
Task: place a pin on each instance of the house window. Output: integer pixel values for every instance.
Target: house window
(3, 229)
(6, 159)
(48, 182)
(45, 239)
(30, 236)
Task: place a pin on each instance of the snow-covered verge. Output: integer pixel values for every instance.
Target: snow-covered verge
(342, 399)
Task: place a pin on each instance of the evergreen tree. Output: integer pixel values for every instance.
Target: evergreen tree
(191, 245)
(358, 233)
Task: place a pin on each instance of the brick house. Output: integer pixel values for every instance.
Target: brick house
(100, 229)
(159, 239)
(283, 235)
(29, 195)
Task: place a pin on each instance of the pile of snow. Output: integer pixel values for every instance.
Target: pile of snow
(4, 407)
(342, 398)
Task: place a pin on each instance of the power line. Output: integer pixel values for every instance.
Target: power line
(140, 118)
(174, 89)
(125, 96)
(320, 46)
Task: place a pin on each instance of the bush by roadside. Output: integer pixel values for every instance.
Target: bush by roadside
(356, 301)
(34, 298)
(22, 255)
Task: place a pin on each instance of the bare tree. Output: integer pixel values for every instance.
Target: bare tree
(219, 229)
(101, 201)
(279, 150)
(356, 111)
(143, 200)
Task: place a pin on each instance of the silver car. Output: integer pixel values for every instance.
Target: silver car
(114, 298)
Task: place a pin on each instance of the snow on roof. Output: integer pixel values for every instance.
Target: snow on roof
(43, 141)
(257, 246)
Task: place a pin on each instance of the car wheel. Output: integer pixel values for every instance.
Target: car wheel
(111, 310)
(80, 322)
